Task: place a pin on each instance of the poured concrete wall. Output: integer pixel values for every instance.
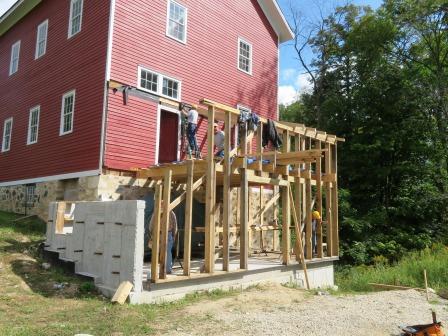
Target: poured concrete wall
(104, 240)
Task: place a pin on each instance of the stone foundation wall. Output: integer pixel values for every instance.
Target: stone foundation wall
(93, 188)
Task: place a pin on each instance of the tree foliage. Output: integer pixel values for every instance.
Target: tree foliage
(381, 82)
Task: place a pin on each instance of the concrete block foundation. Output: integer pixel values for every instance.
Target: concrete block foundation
(105, 241)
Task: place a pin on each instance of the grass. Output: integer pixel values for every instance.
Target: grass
(31, 305)
(407, 272)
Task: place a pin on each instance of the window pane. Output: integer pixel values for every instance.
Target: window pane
(244, 60)
(177, 21)
(170, 88)
(149, 81)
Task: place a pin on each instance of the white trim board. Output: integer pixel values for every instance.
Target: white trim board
(52, 178)
(106, 81)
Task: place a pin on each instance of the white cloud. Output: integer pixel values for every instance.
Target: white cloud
(5, 5)
(288, 74)
(287, 94)
(303, 83)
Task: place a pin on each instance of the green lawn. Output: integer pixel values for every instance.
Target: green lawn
(30, 305)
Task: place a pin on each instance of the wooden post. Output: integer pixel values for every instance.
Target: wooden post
(210, 196)
(60, 217)
(244, 210)
(286, 209)
(286, 215)
(156, 233)
(165, 221)
(308, 209)
(303, 166)
(426, 285)
(328, 202)
(260, 146)
(227, 206)
(188, 217)
(299, 245)
(298, 191)
(335, 201)
(320, 251)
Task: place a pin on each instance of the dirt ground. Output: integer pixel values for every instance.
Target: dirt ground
(277, 310)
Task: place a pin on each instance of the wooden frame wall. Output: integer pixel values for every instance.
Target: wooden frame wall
(308, 169)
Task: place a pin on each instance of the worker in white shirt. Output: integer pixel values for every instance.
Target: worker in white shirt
(192, 124)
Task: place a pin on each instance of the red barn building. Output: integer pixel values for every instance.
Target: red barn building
(81, 84)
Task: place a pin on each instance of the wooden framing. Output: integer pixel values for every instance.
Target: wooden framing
(188, 217)
(210, 196)
(156, 233)
(165, 222)
(227, 206)
(307, 164)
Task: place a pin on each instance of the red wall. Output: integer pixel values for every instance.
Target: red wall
(206, 65)
(77, 63)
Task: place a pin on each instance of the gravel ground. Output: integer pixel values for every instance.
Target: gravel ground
(277, 310)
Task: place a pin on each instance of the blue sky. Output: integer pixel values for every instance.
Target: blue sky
(292, 77)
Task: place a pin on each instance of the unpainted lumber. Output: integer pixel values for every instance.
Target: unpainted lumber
(156, 233)
(286, 218)
(122, 292)
(328, 203)
(319, 202)
(210, 196)
(227, 202)
(244, 208)
(188, 217)
(60, 217)
(299, 244)
(165, 222)
(335, 204)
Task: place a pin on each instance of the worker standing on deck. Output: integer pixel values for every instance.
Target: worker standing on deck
(316, 220)
(219, 141)
(172, 231)
(192, 128)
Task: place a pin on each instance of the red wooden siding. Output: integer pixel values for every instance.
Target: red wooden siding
(77, 63)
(206, 65)
(131, 133)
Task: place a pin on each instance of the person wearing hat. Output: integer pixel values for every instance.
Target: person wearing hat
(192, 127)
(219, 140)
(316, 219)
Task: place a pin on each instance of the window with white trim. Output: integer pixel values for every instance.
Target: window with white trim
(41, 39)
(15, 54)
(159, 84)
(75, 21)
(149, 80)
(177, 21)
(244, 56)
(33, 125)
(7, 133)
(67, 113)
(30, 194)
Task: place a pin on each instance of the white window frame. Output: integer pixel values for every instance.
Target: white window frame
(160, 78)
(30, 197)
(250, 56)
(4, 148)
(61, 128)
(39, 39)
(29, 140)
(168, 12)
(15, 46)
(70, 22)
